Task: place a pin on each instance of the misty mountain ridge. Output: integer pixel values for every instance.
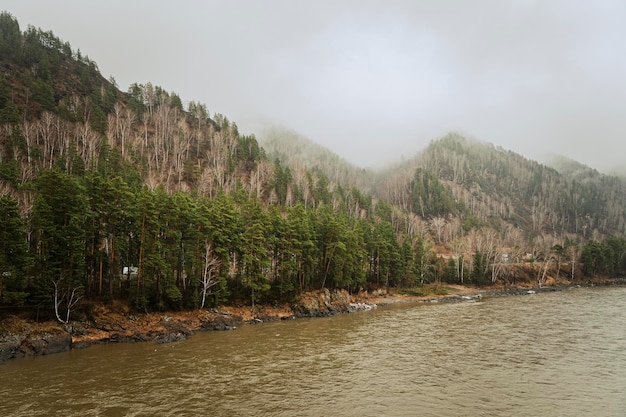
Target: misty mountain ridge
(292, 148)
(471, 168)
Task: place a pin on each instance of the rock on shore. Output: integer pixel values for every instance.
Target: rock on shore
(21, 338)
(27, 344)
(322, 303)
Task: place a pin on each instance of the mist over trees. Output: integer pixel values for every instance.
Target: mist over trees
(132, 195)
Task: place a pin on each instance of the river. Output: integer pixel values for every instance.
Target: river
(549, 354)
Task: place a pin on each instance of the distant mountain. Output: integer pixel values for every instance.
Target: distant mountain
(498, 185)
(292, 149)
(573, 169)
(478, 182)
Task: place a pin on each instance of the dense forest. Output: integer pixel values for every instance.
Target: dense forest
(134, 196)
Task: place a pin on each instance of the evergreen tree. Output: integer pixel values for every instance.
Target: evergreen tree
(255, 260)
(479, 268)
(430, 197)
(596, 259)
(10, 36)
(301, 245)
(60, 217)
(14, 255)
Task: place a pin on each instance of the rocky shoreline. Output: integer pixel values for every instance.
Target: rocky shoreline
(22, 345)
(111, 326)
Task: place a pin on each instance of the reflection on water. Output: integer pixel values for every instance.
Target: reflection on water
(557, 354)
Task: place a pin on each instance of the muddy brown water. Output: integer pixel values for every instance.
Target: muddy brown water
(553, 354)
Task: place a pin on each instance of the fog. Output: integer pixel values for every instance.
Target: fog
(374, 81)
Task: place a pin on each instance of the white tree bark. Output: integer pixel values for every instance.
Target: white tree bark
(211, 266)
(62, 295)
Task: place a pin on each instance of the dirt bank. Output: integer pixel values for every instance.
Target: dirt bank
(116, 323)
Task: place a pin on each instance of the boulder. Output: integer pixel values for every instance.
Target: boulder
(58, 342)
(44, 344)
(9, 346)
(354, 307)
(322, 303)
(221, 322)
(178, 327)
(170, 338)
(32, 346)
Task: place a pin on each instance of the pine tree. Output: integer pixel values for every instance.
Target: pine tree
(14, 255)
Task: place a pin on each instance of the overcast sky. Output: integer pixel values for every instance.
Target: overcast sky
(374, 80)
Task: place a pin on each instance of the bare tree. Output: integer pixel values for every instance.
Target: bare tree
(62, 295)
(209, 276)
(180, 148)
(452, 229)
(29, 131)
(458, 247)
(438, 223)
(416, 226)
(541, 276)
(573, 249)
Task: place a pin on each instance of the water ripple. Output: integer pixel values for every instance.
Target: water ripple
(557, 354)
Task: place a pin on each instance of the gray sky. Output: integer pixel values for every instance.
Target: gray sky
(374, 80)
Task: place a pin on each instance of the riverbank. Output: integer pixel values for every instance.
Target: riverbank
(116, 323)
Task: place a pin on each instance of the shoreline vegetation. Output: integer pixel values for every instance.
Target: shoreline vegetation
(117, 323)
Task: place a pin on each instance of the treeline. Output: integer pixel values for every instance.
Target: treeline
(97, 236)
(605, 258)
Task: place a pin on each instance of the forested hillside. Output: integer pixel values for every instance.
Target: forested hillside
(500, 187)
(134, 196)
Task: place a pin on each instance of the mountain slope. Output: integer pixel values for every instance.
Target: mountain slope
(294, 150)
(41, 72)
(496, 184)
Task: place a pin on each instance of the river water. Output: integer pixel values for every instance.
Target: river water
(550, 354)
